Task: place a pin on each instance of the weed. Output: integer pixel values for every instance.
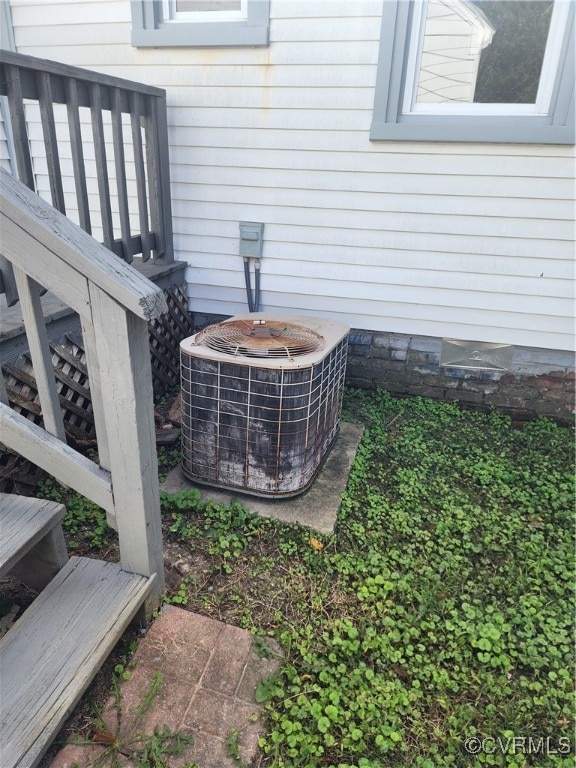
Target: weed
(180, 597)
(168, 458)
(84, 524)
(233, 750)
(144, 750)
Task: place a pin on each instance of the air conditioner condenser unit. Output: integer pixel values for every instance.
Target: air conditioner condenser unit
(261, 400)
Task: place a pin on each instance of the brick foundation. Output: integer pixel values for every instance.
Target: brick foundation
(539, 381)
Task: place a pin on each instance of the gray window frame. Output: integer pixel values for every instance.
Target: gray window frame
(389, 124)
(149, 30)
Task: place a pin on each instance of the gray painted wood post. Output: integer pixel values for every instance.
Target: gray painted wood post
(165, 193)
(122, 344)
(159, 179)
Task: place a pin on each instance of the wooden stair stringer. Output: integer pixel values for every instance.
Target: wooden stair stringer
(52, 653)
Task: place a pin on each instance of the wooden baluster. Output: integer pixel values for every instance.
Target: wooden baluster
(3, 390)
(135, 113)
(8, 282)
(77, 154)
(18, 118)
(29, 293)
(101, 166)
(44, 86)
(119, 159)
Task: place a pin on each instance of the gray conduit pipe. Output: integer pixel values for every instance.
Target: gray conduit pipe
(257, 285)
(248, 285)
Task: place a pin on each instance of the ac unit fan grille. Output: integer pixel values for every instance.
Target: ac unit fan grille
(260, 339)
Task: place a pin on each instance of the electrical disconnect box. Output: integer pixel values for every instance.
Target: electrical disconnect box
(251, 239)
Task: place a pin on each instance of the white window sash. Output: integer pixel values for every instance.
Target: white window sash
(545, 86)
(171, 15)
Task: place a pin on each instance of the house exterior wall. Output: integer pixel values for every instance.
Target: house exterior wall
(4, 150)
(466, 241)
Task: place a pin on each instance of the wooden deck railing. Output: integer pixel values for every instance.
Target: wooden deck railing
(115, 303)
(109, 126)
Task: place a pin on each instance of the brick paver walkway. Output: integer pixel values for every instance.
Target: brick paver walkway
(209, 672)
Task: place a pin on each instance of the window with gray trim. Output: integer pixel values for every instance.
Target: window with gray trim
(439, 63)
(200, 23)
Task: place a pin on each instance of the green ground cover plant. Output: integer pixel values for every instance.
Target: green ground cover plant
(435, 626)
(439, 611)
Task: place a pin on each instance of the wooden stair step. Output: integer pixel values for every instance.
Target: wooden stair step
(24, 521)
(51, 654)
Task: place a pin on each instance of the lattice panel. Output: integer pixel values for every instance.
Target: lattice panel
(69, 362)
(166, 333)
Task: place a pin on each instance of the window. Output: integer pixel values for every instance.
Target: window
(476, 70)
(202, 23)
(204, 10)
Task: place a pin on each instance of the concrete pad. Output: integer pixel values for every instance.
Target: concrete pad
(317, 508)
(210, 673)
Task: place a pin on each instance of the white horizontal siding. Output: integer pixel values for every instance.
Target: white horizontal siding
(5, 162)
(415, 164)
(470, 241)
(394, 221)
(342, 199)
(351, 141)
(457, 263)
(361, 288)
(354, 240)
(371, 282)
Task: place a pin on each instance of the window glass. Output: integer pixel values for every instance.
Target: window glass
(488, 51)
(203, 10)
(510, 67)
(455, 33)
(201, 6)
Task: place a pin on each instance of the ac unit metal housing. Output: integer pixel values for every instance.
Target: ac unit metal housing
(261, 400)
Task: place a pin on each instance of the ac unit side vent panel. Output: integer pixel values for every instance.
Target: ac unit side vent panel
(262, 429)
